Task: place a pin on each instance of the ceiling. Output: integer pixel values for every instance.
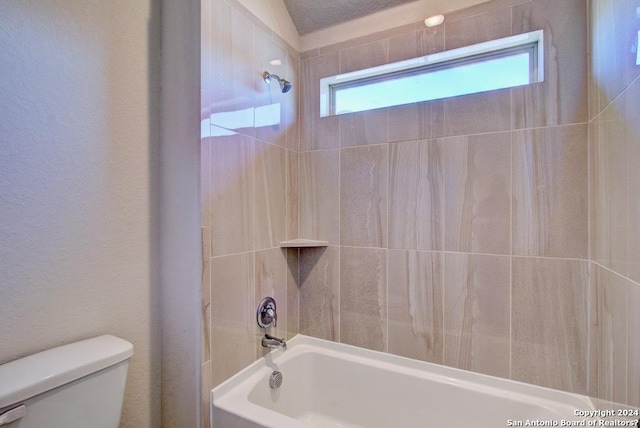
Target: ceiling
(313, 15)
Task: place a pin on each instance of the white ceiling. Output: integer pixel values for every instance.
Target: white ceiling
(313, 15)
(310, 24)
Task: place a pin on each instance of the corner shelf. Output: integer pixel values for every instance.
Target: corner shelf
(303, 243)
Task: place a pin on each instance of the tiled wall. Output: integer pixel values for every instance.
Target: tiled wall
(458, 228)
(614, 131)
(249, 182)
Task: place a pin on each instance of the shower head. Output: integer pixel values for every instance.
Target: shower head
(285, 85)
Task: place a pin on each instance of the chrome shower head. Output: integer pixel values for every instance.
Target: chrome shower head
(285, 85)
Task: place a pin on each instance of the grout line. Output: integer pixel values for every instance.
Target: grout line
(258, 250)
(417, 250)
(443, 258)
(615, 99)
(338, 327)
(444, 188)
(443, 302)
(511, 256)
(253, 290)
(445, 137)
(298, 287)
(463, 252)
(589, 219)
(386, 254)
(616, 273)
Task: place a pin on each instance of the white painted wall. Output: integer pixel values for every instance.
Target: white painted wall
(275, 15)
(79, 156)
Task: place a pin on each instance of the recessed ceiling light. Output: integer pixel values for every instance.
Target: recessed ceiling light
(275, 62)
(433, 21)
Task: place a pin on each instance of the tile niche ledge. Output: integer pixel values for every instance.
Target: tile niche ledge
(303, 243)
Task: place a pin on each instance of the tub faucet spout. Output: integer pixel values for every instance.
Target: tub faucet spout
(269, 341)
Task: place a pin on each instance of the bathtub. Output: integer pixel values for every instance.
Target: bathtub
(327, 384)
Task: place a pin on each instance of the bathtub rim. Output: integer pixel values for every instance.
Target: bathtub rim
(227, 395)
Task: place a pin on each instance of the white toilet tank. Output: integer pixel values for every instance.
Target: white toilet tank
(80, 385)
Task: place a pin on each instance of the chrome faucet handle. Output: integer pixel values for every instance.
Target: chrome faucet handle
(266, 314)
(271, 316)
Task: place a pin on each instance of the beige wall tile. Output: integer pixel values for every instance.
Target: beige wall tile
(293, 292)
(415, 304)
(232, 350)
(609, 331)
(363, 297)
(235, 71)
(320, 195)
(320, 292)
(309, 54)
(482, 8)
(477, 301)
(292, 219)
(270, 195)
(416, 121)
(232, 314)
(341, 293)
(205, 60)
(550, 192)
(363, 128)
(232, 184)
(478, 113)
(364, 172)
(271, 281)
(416, 43)
(549, 323)
(364, 56)
(205, 182)
(206, 293)
(478, 28)
(614, 134)
(239, 166)
(416, 195)
(270, 111)
(291, 103)
(562, 98)
(633, 341)
(613, 63)
(615, 187)
(632, 126)
(317, 132)
(205, 394)
(377, 36)
(609, 152)
(592, 191)
(478, 193)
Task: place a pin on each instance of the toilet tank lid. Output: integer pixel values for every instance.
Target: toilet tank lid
(29, 376)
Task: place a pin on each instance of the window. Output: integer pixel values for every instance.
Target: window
(497, 64)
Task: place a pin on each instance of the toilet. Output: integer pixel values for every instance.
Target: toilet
(78, 385)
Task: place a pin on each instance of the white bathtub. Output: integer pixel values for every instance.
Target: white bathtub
(328, 384)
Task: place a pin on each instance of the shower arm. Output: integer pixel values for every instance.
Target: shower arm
(285, 85)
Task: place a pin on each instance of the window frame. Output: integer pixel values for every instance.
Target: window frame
(531, 42)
